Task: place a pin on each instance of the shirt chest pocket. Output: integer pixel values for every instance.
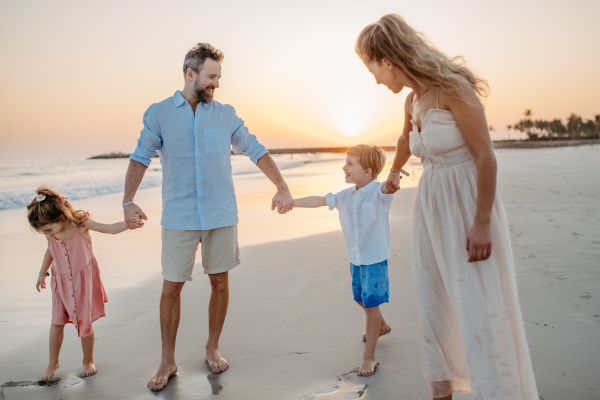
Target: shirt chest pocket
(367, 213)
(216, 141)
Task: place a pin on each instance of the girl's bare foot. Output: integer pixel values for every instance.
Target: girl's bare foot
(89, 369)
(383, 331)
(367, 368)
(49, 372)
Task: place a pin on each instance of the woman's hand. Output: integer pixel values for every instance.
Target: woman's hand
(479, 242)
(393, 183)
(41, 282)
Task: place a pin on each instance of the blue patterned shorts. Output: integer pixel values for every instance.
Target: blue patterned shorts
(370, 283)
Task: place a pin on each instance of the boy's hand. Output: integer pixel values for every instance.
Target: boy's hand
(389, 188)
(41, 282)
(393, 181)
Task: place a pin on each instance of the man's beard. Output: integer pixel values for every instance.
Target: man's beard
(203, 95)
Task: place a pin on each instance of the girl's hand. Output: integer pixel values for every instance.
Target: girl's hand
(41, 282)
(137, 218)
(479, 242)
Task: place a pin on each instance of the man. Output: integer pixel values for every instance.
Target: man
(193, 136)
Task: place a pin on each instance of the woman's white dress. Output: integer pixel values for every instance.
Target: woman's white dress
(473, 339)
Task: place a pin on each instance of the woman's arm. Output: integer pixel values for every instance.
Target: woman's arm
(46, 262)
(310, 202)
(473, 125)
(403, 147)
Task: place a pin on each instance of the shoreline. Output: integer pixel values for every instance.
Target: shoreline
(498, 144)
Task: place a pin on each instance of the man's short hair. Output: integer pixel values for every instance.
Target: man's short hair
(195, 58)
(369, 157)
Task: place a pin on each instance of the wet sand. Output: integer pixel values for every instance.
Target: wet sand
(293, 331)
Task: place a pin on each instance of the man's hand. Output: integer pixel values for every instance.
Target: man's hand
(479, 242)
(283, 201)
(132, 213)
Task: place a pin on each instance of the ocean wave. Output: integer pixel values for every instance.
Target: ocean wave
(80, 180)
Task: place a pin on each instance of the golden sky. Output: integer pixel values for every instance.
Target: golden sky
(76, 77)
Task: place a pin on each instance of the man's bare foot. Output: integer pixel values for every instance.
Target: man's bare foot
(216, 363)
(367, 368)
(89, 369)
(49, 372)
(161, 378)
(383, 331)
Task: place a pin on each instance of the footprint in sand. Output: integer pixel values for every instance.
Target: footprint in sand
(345, 386)
(69, 383)
(586, 295)
(597, 319)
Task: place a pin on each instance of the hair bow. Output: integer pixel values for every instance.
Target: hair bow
(40, 197)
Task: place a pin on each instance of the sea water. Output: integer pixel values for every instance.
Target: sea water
(84, 178)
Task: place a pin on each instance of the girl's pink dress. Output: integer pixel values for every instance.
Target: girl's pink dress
(78, 295)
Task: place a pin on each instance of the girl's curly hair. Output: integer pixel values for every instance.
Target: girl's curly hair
(54, 208)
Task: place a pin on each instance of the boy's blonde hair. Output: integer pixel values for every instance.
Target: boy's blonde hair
(369, 157)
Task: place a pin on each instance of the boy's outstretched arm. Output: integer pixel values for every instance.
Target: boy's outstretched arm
(310, 202)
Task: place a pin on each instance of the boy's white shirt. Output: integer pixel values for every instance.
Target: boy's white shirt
(365, 219)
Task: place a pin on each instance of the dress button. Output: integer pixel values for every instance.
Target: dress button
(73, 295)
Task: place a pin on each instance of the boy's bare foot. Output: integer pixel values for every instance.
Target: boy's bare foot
(161, 378)
(383, 331)
(49, 372)
(216, 363)
(367, 368)
(89, 369)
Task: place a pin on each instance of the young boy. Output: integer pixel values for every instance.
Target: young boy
(364, 215)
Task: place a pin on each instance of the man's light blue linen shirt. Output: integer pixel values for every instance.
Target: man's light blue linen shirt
(195, 154)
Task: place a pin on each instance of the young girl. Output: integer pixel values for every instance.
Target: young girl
(78, 295)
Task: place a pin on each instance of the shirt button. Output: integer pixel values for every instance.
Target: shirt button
(196, 149)
(195, 131)
(357, 240)
(197, 167)
(355, 226)
(198, 185)
(354, 212)
(198, 203)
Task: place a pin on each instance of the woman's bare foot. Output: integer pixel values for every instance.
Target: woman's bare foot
(383, 331)
(49, 372)
(89, 369)
(367, 368)
(216, 363)
(161, 378)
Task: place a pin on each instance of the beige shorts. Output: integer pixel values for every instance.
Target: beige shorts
(220, 252)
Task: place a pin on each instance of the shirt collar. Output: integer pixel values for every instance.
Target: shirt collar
(367, 187)
(179, 100)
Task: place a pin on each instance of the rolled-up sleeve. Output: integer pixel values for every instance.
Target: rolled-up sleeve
(149, 142)
(242, 141)
(331, 200)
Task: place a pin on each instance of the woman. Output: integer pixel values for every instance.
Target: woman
(472, 330)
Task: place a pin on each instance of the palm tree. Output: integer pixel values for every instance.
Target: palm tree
(509, 127)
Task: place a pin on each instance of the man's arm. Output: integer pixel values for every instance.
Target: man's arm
(283, 196)
(135, 174)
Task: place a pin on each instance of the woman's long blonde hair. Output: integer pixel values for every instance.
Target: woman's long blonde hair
(53, 208)
(391, 38)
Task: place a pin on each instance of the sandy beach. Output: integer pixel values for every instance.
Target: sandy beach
(293, 330)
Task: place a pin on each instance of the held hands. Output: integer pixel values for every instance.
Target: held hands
(134, 216)
(283, 201)
(41, 283)
(392, 184)
(479, 242)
